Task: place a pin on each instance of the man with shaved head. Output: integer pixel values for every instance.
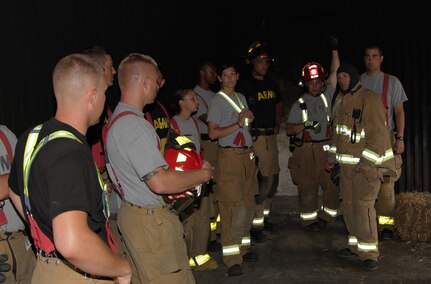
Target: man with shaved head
(152, 233)
(56, 186)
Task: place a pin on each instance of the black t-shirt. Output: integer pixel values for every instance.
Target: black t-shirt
(262, 97)
(62, 178)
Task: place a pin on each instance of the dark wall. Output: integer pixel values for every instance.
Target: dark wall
(180, 34)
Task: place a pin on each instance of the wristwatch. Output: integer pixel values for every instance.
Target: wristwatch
(401, 138)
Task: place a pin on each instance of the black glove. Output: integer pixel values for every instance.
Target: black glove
(4, 267)
(333, 41)
(313, 125)
(335, 174)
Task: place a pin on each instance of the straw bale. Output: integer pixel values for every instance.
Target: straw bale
(413, 216)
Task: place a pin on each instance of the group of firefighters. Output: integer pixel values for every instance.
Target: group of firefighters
(346, 137)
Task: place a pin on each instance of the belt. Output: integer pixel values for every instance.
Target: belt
(262, 131)
(316, 141)
(296, 140)
(47, 258)
(4, 235)
(231, 147)
(236, 150)
(151, 209)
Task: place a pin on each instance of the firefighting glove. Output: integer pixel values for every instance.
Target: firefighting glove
(313, 125)
(333, 41)
(4, 267)
(335, 174)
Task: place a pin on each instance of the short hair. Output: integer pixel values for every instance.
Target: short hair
(374, 46)
(225, 66)
(98, 53)
(74, 66)
(130, 67)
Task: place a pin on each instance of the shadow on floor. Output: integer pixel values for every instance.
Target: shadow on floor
(294, 255)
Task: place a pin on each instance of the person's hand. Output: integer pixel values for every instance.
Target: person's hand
(361, 168)
(127, 279)
(329, 165)
(398, 147)
(245, 114)
(313, 125)
(207, 166)
(333, 41)
(107, 181)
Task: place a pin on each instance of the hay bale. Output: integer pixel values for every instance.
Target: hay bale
(413, 216)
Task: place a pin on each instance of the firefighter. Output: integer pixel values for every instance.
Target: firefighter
(361, 146)
(393, 96)
(308, 125)
(228, 121)
(264, 100)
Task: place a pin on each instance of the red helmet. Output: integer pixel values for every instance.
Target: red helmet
(182, 156)
(311, 71)
(183, 159)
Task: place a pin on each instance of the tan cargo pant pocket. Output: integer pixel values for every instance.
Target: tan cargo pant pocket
(364, 214)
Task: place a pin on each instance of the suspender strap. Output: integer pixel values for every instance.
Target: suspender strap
(30, 152)
(164, 110)
(7, 145)
(205, 102)
(233, 104)
(109, 168)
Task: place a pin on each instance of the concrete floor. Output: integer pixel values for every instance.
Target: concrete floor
(294, 255)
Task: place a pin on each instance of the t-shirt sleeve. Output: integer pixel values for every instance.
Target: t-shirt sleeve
(214, 113)
(294, 114)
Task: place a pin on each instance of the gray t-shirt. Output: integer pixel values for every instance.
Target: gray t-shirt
(396, 92)
(14, 222)
(316, 112)
(222, 113)
(187, 128)
(204, 98)
(132, 149)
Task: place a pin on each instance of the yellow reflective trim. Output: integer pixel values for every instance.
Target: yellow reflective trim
(199, 260)
(181, 140)
(352, 241)
(266, 212)
(386, 220)
(218, 218)
(258, 221)
(376, 158)
(213, 226)
(331, 212)
(332, 149)
(246, 241)
(231, 250)
(31, 151)
(367, 246)
(347, 159)
(308, 216)
(344, 130)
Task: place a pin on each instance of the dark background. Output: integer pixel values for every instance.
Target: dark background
(180, 34)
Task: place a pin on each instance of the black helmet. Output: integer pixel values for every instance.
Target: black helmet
(258, 49)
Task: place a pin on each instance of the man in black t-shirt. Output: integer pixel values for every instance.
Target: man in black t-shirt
(60, 189)
(264, 100)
